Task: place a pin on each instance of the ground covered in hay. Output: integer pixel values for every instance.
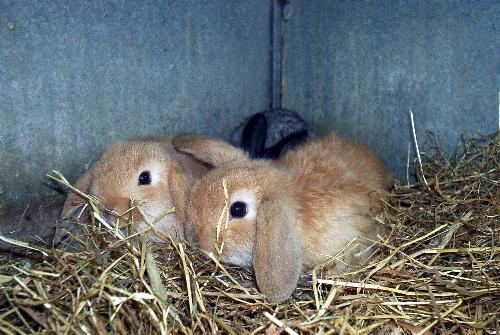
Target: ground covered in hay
(437, 272)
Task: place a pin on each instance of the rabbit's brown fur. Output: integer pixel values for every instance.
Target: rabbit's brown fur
(301, 209)
(114, 179)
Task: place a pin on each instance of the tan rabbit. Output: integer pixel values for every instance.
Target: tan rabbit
(286, 216)
(149, 171)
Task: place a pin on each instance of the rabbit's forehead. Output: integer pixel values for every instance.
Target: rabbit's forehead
(128, 160)
(247, 195)
(134, 151)
(230, 182)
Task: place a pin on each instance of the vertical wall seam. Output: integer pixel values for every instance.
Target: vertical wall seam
(276, 55)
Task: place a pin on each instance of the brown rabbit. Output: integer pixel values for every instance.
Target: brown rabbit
(285, 216)
(149, 171)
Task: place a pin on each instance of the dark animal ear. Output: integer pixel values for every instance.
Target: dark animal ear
(72, 203)
(210, 150)
(291, 141)
(253, 140)
(277, 254)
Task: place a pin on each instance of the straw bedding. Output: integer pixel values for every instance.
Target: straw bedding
(437, 272)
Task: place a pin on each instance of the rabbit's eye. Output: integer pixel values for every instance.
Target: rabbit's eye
(145, 178)
(238, 209)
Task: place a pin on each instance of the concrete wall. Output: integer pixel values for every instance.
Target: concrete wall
(360, 66)
(77, 75)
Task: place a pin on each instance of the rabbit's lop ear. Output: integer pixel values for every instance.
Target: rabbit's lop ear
(277, 254)
(210, 150)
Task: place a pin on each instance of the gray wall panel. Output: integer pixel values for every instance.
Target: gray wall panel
(77, 75)
(359, 66)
